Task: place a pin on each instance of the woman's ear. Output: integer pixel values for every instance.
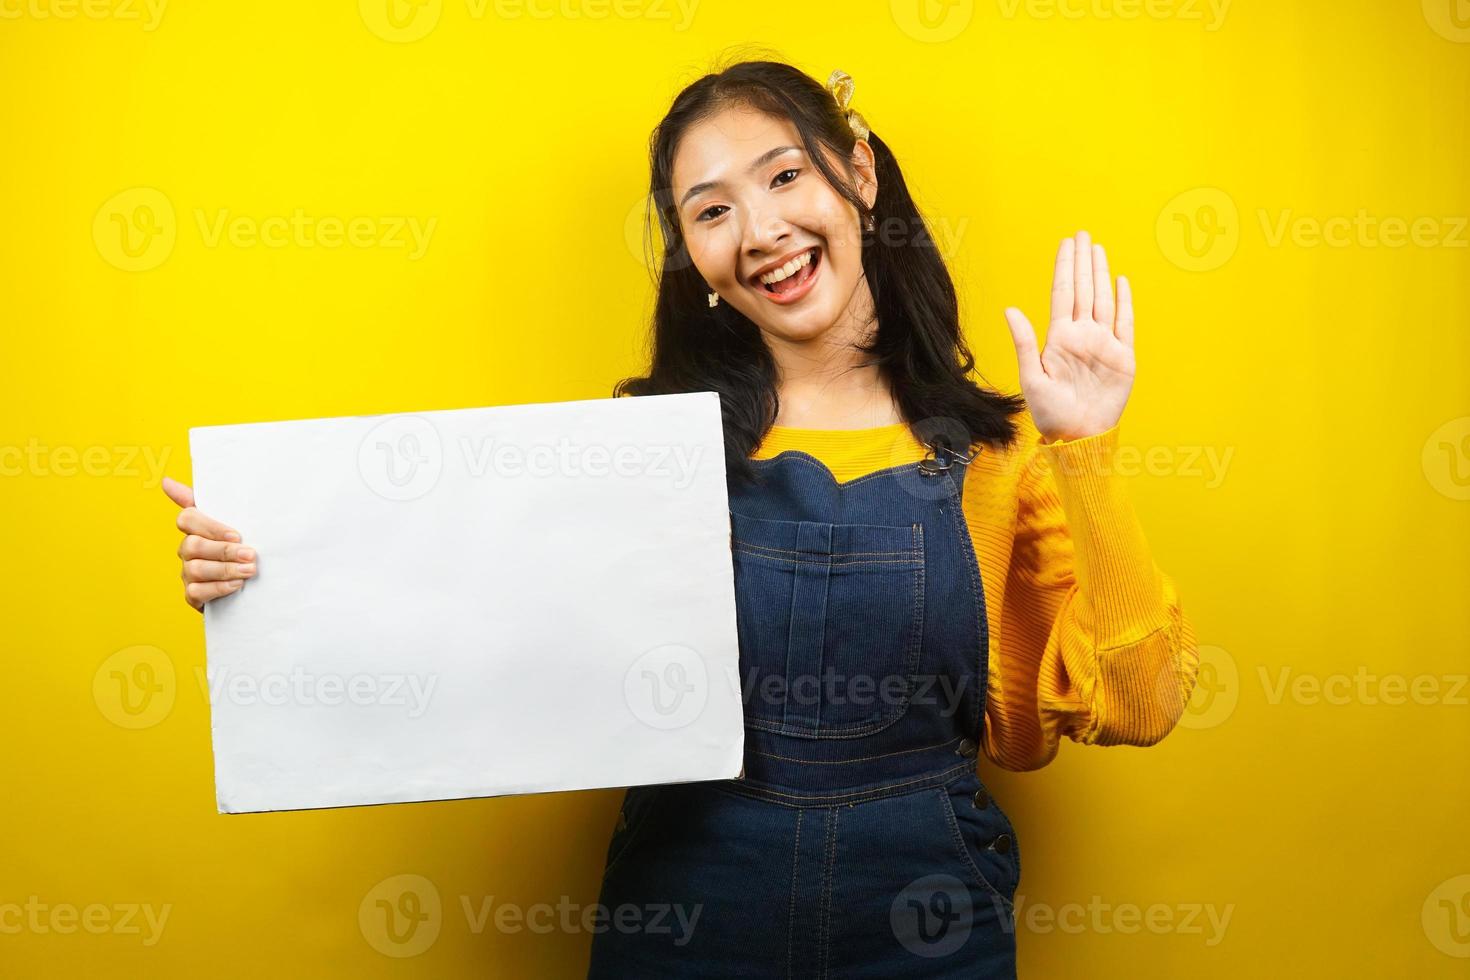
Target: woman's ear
(864, 165)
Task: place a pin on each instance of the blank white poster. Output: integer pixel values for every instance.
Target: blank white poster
(474, 602)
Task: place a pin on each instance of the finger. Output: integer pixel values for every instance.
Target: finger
(179, 493)
(1083, 252)
(1124, 329)
(1028, 358)
(192, 520)
(204, 570)
(1102, 305)
(202, 592)
(1061, 282)
(198, 546)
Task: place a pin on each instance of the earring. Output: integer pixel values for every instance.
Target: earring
(870, 223)
(714, 299)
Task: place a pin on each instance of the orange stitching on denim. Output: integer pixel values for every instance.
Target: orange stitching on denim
(875, 792)
(977, 593)
(800, 456)
(808, 551)
(827, 887)
(918, 610)
(843, 762)
(883, 528)
(791, 920)
(745, 549)
(848, 730)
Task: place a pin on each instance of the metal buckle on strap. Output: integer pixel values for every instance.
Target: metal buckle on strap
(932, 465)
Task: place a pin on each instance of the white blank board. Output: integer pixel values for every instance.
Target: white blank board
(474, 602)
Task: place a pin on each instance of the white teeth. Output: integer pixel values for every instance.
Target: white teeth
(790, 268)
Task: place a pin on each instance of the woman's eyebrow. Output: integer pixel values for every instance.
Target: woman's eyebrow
(755, 164)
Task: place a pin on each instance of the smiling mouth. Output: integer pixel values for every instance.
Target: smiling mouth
(796, 280)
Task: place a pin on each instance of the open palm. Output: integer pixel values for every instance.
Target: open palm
(1077, 386)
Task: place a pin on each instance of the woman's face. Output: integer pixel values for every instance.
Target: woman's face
(757, 203)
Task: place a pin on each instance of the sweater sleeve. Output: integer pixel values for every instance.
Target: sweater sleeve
(1092, 629)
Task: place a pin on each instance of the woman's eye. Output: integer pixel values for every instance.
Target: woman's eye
(705, 215)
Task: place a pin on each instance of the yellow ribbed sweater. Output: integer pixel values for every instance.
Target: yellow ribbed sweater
(1087, 637)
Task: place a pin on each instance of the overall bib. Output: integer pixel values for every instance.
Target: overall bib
(860, 842)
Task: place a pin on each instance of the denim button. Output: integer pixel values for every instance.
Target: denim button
(967, 748)
(982, 799)
(1003, 843)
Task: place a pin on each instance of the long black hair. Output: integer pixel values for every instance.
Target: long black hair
(918, 345)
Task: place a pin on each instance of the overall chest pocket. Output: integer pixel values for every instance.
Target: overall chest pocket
(830, 619)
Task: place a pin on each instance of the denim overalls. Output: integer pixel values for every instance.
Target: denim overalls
(860, 841)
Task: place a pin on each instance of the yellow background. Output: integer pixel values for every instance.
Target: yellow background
(1328, 378)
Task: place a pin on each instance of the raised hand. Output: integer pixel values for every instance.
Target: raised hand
(1077, 386)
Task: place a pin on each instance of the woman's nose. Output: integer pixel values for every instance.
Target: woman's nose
(763, 232)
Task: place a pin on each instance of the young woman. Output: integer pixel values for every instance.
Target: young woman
(925, 568)
(918, 549)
